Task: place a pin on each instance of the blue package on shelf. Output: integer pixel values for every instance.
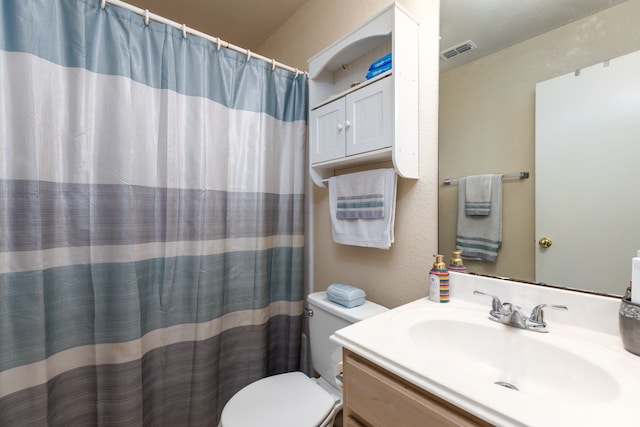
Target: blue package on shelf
(377, 71)
(381, 62)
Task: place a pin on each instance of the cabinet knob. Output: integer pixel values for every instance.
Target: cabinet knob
(347, 124)
(339, 126)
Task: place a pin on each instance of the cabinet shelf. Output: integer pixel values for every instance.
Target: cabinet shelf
(352, 50)
(372, 121)
(321, 171)
(354, 88)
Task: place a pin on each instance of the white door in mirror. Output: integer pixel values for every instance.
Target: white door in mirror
(588, 126)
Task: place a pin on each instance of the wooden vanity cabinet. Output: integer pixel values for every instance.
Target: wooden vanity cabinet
(375, 397)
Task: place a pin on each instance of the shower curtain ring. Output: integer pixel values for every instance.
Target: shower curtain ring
(273, 64)
(248, 55)
(184, 30)
(146, 17)
(218, 43)
(297, 72)
(103, 4)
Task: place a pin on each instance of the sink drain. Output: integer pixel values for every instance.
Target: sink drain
(507, 385)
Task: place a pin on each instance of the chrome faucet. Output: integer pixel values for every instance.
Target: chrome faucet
(509, 314)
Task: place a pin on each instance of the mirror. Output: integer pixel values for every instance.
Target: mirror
(487, 107)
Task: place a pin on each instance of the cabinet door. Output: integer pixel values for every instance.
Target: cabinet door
(327, 132)
(369, 120)
(374, 396)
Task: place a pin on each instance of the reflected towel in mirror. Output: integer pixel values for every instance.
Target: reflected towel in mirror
(478, 195)
(480, 237)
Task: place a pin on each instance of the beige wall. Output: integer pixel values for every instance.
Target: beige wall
(396, 276)
(487, 122)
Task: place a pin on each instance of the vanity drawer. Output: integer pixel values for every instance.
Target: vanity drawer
(376, 397)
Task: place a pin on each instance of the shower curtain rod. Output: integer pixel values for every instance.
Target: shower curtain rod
(186, 30)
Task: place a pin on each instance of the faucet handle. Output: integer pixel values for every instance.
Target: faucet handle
(508, 309)
(537, 314)
(496, 304)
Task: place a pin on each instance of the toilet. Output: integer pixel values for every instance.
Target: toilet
(293, 399)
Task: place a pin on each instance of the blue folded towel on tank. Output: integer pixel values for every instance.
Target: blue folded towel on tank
(346, 295)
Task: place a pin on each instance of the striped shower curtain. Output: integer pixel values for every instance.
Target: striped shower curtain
(151, 219)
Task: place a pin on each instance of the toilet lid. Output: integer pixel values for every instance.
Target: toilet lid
(286, 400)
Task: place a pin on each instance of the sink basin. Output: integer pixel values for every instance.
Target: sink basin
(520, 360)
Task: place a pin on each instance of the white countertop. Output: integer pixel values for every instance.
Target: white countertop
(595, 399)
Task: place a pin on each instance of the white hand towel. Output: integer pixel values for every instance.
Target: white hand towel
(480, 237)
(478, 195)
(360, 196)
(365, 213)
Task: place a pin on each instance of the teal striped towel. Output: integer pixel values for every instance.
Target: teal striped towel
(367, 206)
(480, 237)
(478, 195)
(360, 195)
(362, 206)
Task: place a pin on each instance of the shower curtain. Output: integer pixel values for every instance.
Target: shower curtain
(151, 219)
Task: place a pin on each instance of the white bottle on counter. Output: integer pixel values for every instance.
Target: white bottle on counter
(635, 279)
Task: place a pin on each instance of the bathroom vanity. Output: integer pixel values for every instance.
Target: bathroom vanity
(375, 396)
(426, 363)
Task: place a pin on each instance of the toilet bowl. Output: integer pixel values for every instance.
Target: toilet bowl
(293, 399)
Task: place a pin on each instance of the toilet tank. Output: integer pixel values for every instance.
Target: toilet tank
(327, 318)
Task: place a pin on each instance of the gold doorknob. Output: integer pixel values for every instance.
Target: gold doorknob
(545, 242)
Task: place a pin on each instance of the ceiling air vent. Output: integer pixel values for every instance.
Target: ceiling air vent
(457, 50)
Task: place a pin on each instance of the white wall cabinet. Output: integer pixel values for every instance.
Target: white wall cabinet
(359, 122)
(355, 122)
